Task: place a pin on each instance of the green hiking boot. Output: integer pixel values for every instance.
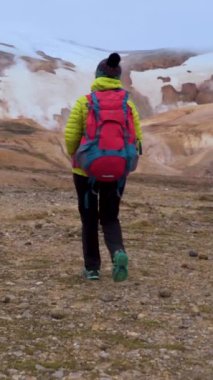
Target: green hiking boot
(120, 266)
(91, 274)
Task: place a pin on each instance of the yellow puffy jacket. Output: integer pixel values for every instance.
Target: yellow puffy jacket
(76, 123)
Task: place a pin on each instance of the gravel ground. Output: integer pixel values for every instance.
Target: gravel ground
(155, 326)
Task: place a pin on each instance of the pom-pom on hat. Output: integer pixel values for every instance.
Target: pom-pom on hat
(109, 67)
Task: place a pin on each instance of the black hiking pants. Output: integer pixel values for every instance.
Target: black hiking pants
(98, 203)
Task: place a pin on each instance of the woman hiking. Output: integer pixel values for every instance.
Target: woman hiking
(101, 128)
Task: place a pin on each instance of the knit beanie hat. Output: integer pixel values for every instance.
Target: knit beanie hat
(109, 67)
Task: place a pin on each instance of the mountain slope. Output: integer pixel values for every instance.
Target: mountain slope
(177, 143)
(42, 78)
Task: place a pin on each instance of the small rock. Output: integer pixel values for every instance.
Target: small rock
(195, 311)
(207, 294)
(38, 225)
(133, 354)
(10, 283)
(107, 298)
(71, 326)
(26, 314)
(40, 367)
(76, 346)
(72, 233)
(185, 324)
(27, 243)
(64, 275)
(163, 350)
(203, 257)
(97, 327)
(6, 299)
(57, 314)
(193, 253)
(140, 316)
(12, 371)
(164, 293)
(132, 334)
(185, 265)
(55, 338)
(58, 374)
(23, 305)
(143, 301)
(18, 354)
(5, 318)
(74, 376)
(104, 355)
(137, 283)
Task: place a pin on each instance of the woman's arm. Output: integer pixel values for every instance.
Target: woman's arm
(137, 125)
(74, 128)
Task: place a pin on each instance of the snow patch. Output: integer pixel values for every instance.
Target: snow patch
(195, 70)
(40, 95)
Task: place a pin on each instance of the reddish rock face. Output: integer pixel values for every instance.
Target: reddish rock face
(169, 95)
(6, 60)
(205, 92)
(204, 97)
(47, 63)
(188, 92)
(207, 85)
(142, 61)
(35, 65)
(62, 118)
(165, 79)
(65, 64)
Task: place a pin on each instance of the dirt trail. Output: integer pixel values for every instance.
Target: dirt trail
(155, 326)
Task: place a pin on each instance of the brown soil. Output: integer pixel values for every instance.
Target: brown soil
(155, 326)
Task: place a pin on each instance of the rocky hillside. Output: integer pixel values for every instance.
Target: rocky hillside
(55, 325)
(41, 79)
(176, 143)
(179, 142)
(25, 145)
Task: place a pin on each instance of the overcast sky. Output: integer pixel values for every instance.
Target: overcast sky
(114, 24)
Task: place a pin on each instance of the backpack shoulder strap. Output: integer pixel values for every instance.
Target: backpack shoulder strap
(95, 101)
(124, 104)
(93, 104)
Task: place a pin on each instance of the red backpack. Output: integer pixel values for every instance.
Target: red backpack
(107, 151)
